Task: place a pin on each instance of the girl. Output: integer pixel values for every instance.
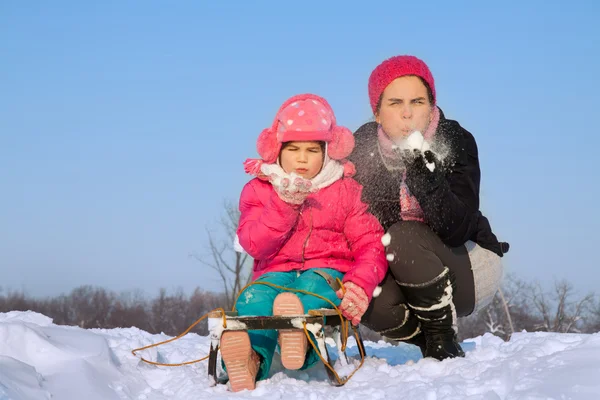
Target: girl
(302, 214)
(421, 177)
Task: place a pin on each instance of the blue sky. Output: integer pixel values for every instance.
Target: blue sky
(124, 125)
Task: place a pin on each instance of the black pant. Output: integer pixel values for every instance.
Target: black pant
(419, 257)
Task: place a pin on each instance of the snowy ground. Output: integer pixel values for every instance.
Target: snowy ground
(40, 360)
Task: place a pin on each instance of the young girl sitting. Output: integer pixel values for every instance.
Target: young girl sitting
(303, 213)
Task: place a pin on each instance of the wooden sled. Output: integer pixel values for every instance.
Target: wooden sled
(315, 321)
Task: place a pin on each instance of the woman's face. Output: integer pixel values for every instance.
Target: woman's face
(405, 107)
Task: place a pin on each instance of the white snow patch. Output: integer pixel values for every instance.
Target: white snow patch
(377, 291)
(217, 328)
(237, 246)
(415, 141)
(386, 239)
(43, 361)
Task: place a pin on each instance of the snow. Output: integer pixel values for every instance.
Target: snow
(386, 239)
(377, 291)
(416, 141)
(237, 246)
(41, 360)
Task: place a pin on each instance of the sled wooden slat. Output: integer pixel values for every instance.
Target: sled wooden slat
(262, 323)
(327, 312)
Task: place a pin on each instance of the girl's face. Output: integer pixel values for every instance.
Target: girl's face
(303, 158)
(405, 107)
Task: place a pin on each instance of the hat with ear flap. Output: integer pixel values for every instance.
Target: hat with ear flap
(305, 117)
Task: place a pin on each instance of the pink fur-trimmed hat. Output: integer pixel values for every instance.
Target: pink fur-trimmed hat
(305, 117)
(394, 68)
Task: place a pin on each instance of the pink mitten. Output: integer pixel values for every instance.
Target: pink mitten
(354, 302)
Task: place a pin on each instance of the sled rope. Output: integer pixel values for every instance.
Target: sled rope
(337, 377)
(179, 337)
(343, 328)
(344, 325)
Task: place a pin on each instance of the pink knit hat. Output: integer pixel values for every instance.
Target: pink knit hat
(393, 68)
(305, 117)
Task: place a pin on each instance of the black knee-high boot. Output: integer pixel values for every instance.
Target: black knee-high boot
(409, 330)
(432, 303)
(389, 315)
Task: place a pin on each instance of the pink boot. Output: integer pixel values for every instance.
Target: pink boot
(293, 342)
(240, 359)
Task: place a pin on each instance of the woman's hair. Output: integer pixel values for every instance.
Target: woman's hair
(429, 94)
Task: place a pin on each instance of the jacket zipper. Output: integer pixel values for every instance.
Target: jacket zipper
(307, 237)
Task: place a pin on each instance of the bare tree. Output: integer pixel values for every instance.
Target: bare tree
(90, 306)
(558, 312)
(169, 312)
(130, 309)
(14, 301)
(493, 323)
(593, 322)
(231, 265)
(200, 303)
(59, 309)
(507, 310)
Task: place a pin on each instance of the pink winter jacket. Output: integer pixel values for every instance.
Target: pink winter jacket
(331, 229)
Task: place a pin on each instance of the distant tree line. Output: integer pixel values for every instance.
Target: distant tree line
(519, 306)
(95, 307)
(522, 305)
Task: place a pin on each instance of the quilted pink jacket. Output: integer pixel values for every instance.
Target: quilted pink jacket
(331, 229)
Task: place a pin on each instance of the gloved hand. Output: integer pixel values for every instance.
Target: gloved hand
(292, 189)
(354, 302)
(423, 170)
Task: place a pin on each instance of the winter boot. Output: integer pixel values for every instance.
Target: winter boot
(418, 340)
(241, 361)
(292, 342)
(433, 305)
(409, 331)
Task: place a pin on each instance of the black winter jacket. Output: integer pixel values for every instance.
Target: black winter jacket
(450, 208)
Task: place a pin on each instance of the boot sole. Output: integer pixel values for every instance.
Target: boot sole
(236, 352)
(293, 343)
